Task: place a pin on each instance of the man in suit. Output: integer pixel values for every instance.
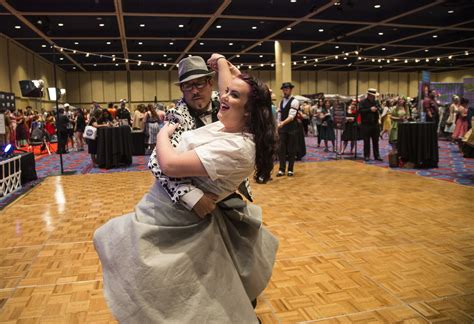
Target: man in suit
(369, 110)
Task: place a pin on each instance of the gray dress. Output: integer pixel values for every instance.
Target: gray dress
(163, 264)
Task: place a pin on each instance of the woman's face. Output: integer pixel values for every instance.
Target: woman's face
(232, 110)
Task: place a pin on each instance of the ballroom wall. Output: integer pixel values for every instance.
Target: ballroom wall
(19, 63)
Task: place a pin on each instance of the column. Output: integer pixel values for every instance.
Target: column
(282, 64)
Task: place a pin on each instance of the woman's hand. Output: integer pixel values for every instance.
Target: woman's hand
(205, 205)
(169, 128)
(212, 61)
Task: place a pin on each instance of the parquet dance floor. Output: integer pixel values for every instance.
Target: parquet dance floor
(358, 243)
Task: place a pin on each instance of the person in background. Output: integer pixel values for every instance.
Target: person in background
(430, 107)
(80, 125)
(453, 112)
(385, 118)
(369, 110)
(70, 125)
(21, 129)
(351, 128)
(306, 114)
(461, 121)
(327, 126)
(123, 114)
(139, 118)
(62, 130)
(152, 125)
(112, 109)
(399, 114)
(287, 129)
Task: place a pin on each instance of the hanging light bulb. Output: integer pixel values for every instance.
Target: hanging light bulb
(250, 67)
(152, 63)
(427, 60)
(62, 49)
(126, 60)
(356, 52)
(272, 65)
(438, 59)
(388, 61)
(396, 60)
(359, 58)
(294, 63)
(305, 62)
(87, 54)
(373, 60)
(315, 60)
(450, 57)
(406, 61)
(164, 64)
(336, 57)
(74, 51)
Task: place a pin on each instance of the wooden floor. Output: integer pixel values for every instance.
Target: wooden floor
(357, 244)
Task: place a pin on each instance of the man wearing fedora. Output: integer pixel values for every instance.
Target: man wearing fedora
(198, 107)
(287, 129)
(369, 110)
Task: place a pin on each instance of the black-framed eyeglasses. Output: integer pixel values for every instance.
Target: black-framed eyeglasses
(197, 84)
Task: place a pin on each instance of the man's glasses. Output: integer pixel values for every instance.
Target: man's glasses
(198, 85)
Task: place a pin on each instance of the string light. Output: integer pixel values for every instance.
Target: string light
(305, 61)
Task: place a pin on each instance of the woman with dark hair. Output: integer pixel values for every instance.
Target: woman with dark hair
(79, 127)
(152, 125)
(163, 263)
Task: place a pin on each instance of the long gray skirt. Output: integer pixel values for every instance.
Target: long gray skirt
(163, 264)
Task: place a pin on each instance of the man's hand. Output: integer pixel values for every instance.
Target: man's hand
(205, 205)
(373, 109)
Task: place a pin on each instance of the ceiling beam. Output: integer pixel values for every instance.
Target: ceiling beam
(372, 25)
(25, 21)
(121, 26)
(208, 24)
(294, 23)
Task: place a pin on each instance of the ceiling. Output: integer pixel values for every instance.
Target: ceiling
(370, 35)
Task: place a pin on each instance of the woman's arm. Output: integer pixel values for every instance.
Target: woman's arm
(218, 63)
(175, 164)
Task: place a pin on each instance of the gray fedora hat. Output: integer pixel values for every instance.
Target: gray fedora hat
(191, 68)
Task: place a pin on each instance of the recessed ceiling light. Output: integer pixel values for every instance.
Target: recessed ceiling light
(260, 56)
(164, 55)
(380, 34)
(336, 47)
(383, 49)
(450, 57)
(289, 28)
(320, 30)
(95, 64)
(108, 43)
(101, 25)
(238, 55)
(427, 50)
(142, 25)
(139, 55)
(377, 6)
(201, 43)
(230, 44)
(116, 64)
(254, 27)
(450, 11)
(292, 1)
(17, 27)
(76, 43)
(304, 57)
(61, 58)
(171, 43)
(180, 26)
(259, 44)
(73, 67)
(218, 26)
(435, 36)
(60, 24)
(43, 45)
(140, 43)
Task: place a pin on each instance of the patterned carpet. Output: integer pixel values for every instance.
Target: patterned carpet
(452, 165)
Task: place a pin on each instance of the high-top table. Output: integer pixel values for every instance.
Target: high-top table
(418, 143)
(114, 146)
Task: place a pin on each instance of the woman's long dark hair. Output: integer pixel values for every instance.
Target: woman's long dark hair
(261, 123)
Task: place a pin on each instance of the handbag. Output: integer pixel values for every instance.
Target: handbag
(90, 132)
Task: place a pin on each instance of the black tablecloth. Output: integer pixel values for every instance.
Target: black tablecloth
(114, 146)
(138, 143)
(28, 168)
(418, 143)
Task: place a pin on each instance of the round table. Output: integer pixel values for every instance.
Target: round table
(114, 146)
(418, 143)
